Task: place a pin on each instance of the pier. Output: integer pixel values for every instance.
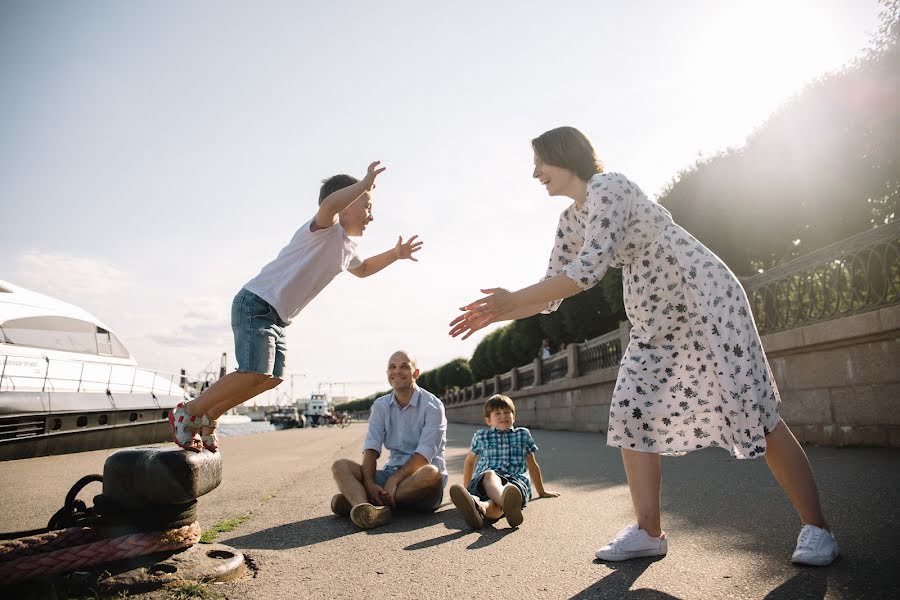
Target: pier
(731, 530)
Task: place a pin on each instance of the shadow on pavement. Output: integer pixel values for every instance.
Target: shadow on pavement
(618, 583)
(810, 584)
(738, 506)
(296, 535)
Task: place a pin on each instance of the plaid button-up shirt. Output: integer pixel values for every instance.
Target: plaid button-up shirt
(502, 451)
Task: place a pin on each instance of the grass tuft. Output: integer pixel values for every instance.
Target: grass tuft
(213, 532)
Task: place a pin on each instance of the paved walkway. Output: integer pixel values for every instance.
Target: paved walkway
(731, 530)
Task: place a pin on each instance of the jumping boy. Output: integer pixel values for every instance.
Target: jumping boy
(495, 481)
(265, 306)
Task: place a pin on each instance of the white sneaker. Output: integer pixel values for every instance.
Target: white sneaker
(633, 542)
(815, 546)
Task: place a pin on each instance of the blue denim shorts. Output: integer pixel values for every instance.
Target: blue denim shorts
(259, 345)
(429, 504)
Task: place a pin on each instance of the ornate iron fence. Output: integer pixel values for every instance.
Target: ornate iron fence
(852, 276)
(555, 367)
(600, 353)
(525, 376)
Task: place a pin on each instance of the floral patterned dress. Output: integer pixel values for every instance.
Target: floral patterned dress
(694, 374)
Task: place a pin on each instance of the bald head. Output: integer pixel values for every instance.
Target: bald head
(402, 371)
(403, 355)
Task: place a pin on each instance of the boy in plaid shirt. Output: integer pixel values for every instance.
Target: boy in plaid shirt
(497, 469)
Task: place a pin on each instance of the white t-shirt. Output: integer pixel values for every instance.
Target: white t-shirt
(303, 268)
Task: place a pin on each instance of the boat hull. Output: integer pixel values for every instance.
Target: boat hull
(46, 423)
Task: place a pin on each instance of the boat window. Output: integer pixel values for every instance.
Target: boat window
(109, 345)
(53, 333)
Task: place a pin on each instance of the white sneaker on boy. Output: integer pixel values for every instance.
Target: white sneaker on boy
(815, 546)
(633, 542)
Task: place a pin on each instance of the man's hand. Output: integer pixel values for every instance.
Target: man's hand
(390, 488)
(372, 172)
(377, 494)
(407, 250)
(548, 494)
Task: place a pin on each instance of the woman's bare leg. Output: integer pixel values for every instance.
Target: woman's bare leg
(644, 472)
(790, 467)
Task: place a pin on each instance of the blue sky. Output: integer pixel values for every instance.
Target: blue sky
(155, 155)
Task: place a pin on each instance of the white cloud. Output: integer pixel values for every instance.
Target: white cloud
(64, 275)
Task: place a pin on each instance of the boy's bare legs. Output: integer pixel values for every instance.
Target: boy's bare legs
(227, 392)
(348, 476)
(790, 466)
(644, 472)
(493, 487)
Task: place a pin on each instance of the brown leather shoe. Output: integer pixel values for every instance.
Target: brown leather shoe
(367, 516)
(512, 505)
(467, 505)
(340, 505)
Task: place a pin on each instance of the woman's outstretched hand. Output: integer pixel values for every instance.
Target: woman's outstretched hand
(482, 312)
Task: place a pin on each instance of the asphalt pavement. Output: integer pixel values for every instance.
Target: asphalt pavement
(730, 528)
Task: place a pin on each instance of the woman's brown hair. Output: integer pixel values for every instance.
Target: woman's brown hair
(570, 149)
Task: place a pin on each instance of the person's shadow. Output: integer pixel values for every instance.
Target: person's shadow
(487, 535)
(809, 584)
(296, 535)
(331, 527)
(618, 583)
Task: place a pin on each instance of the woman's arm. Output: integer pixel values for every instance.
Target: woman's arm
(503, 305)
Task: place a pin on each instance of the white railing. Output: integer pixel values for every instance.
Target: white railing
(19, 373)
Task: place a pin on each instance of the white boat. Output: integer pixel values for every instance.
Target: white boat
(68, 384)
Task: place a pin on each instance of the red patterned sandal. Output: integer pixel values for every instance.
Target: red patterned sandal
(184, 428)
(210, 440)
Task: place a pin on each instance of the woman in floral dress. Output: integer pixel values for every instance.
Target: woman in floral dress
(694, 374)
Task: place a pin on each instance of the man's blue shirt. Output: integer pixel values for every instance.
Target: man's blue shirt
(419, 427)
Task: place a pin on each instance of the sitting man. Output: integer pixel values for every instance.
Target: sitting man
(409, 422)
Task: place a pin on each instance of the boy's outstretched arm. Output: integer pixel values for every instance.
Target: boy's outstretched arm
(401, 251)
(469, 468)
(337, 201)
(534, 470)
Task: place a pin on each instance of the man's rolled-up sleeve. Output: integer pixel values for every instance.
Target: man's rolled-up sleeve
(377, 428)
(433, 432)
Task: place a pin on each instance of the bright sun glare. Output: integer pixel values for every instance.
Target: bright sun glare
(753, 57)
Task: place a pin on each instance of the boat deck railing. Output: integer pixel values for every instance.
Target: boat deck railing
(44, 374)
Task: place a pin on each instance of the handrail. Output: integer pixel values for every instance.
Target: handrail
(855, 275)
(81, 382)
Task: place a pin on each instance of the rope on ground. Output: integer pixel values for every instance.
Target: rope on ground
(46, 542)
(99, 552)
(72, 541)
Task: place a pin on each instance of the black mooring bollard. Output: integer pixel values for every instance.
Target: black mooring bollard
(136, 477)
(152, 489)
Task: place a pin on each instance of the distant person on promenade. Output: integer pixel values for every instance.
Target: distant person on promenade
(499, 469)
(265, 306)
(409, 422)
(546, 349)
(694, 374)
